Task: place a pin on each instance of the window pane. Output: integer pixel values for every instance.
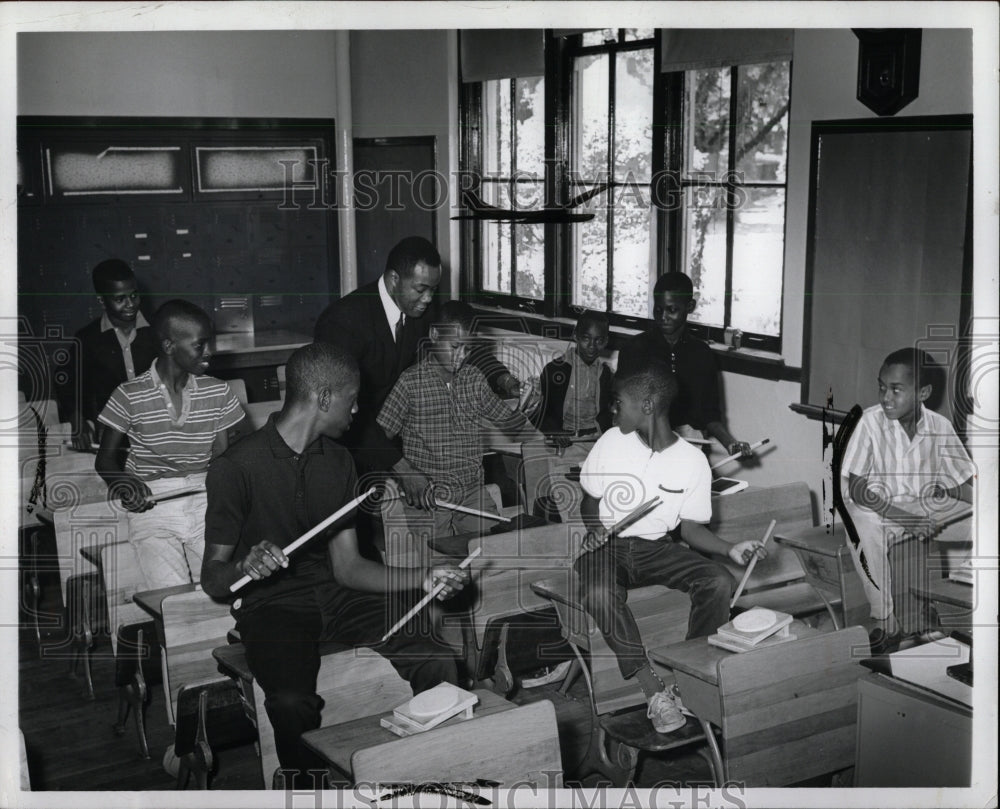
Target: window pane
(638, 33)
(531, 126)
(758, 258)
(705, 248)
(590, 277)
(634, 115)
(496, 257)
(496, 128)
(633, 219)
(254, 168)
(762, 122)
(706, 121)
(530, 249)
(529, 196)
(591, 116)
(600, 37)
(114, 170)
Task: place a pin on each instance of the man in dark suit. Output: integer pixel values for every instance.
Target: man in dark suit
(116, 347)
(381, 324)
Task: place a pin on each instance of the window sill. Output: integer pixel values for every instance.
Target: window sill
(746, 361)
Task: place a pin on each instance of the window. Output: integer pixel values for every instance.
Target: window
(683, 135)
(611, 122)
(729, 230)
(510, 172)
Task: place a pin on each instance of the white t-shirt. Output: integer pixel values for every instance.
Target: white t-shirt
(624, 473)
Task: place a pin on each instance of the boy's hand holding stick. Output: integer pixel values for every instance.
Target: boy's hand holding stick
(751, 565)
(625, 522)
(735, 455)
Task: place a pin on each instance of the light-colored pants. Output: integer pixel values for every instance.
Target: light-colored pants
(169, 538)
(409, 530)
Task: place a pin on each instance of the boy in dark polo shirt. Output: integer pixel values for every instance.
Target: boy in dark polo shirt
(263, 493)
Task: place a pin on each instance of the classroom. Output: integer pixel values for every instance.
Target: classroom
(493, 292)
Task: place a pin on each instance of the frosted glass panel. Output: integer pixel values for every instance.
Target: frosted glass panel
(251, 168)
(114, 170)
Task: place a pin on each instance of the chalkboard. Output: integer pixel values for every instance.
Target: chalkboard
(889, 251)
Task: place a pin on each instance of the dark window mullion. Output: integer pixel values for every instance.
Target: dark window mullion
(730, 189)
(609, 168)
(511, 196)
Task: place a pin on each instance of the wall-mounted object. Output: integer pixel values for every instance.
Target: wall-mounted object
(888, 68)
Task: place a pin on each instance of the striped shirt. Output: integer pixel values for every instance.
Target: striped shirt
(442, 423)
(163, 443)
(901, 470)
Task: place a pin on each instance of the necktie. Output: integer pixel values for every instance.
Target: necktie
(399, 328)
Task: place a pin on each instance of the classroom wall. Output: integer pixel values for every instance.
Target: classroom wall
(403, 84)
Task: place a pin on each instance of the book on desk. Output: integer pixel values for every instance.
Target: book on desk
(754, 629)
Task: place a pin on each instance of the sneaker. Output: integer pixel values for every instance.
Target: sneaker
(664, 713)
(882, 642)
(547, 675)
(675, 692)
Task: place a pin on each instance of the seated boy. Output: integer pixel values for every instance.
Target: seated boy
(697, 406)
(901, 458)
(637, 459)
(176, 420)
(113, 349)
(437, 406)
(576, 387)
(266, 491)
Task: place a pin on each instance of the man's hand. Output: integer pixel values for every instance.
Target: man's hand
(135, 495)
(742, 552)
(593, 539)
(263, 559)
(561, 440)
(741, 447)
(509, 384)
(418, 490)
(454, 579)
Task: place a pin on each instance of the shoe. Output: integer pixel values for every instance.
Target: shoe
(547, 675)
(675, 692)
(882, 642)
(664, 713)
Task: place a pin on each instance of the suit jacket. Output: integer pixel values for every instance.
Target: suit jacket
(554, 384)
(102, 365)
(357, 322)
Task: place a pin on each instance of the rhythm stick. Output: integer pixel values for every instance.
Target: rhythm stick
(628, 520)
(423, 602)
(751, 565)
(456, 507)
(182, 492)
(736, 455)
(310, 534)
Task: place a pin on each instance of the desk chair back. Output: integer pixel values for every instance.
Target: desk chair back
(789, 712)
(353, 683)
(193, 625)
(515, 746)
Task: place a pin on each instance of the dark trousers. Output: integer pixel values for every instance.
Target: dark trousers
(607, 573)
(282, 648)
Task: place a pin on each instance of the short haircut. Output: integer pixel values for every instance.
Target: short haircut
(923, 368)
(108, 272)
(317, 365)
(409, 252)
(176, 310)
(456, 313)
(676, 283)
(652, 378)
(591, 317)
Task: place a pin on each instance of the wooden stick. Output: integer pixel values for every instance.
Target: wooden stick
(427, 599)
(628, 520)
(736, 455)
(309, 534)
(456, 507)
(182, 492)
(751, 565)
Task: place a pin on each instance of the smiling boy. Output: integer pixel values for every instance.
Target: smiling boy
(113, 348)
(901, 458)
(176, 420)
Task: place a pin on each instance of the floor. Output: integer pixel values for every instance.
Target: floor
(71, 743)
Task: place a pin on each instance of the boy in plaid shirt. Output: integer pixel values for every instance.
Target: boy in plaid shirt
(437, 407)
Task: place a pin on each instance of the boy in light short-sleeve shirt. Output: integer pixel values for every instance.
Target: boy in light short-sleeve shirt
(176, 420)
(638, 459)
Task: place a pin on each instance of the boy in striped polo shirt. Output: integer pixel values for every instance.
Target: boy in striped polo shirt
(176, 419)
(901, 459)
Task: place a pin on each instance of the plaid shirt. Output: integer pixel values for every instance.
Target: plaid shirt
(442, 424)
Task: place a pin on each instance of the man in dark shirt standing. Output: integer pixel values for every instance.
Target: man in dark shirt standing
(263, 493)
(691, 361)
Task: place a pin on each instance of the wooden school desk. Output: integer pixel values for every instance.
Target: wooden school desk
(786, 713)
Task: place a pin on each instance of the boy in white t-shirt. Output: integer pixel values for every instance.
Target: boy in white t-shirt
(636, 459)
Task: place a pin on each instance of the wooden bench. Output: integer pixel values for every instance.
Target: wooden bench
(352, 683)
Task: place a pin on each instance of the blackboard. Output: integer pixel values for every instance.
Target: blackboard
(889, 251)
